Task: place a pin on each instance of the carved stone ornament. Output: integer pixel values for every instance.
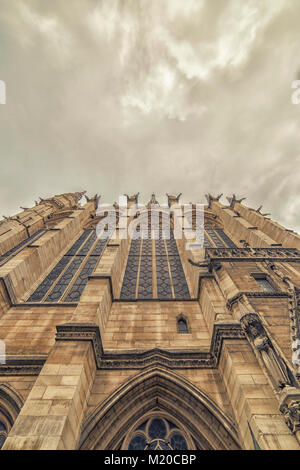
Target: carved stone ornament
(278, 371)
(291, 415)
(252, 326)
(290, 408)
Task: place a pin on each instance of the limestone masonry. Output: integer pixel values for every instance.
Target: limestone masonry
(148, 343)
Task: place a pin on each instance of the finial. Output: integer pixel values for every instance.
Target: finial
(173, 199)
(153, 201)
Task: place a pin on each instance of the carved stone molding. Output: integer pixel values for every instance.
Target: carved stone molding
(172, 360)
(176, 359)
(253, 254)
(82, 332)
(221, 332)
(22, 370)
(237, 297)
(132, 359)
(15, 365)
(142, 393)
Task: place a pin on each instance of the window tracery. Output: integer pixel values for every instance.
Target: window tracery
(158, 433)
(67, 280)
(154, 268)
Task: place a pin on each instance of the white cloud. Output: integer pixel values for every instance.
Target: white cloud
(151, 95)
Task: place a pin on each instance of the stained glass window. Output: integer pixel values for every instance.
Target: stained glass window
(67, 280)
(218, 238)
(154, 269)
(158, 433)
(23, 244)
(214, 237)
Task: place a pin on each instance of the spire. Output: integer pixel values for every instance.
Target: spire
(152, 202)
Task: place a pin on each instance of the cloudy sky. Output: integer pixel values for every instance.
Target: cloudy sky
(121, 96)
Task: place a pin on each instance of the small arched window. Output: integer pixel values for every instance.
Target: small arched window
(182, 326)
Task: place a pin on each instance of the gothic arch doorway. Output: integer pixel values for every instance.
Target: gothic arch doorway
(10, 406)
(162, 395)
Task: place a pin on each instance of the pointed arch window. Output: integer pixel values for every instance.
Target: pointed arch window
(67, 280)
(182, 326)
(154, 269)
(158, 433)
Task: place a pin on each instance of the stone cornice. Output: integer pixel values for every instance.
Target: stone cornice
(140, 359)
(82, 332)
(253, 254)
(136, 359)
(230, 302)
(14, 365)
(221, 332)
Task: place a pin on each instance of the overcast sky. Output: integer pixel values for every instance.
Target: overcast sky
(121, 96)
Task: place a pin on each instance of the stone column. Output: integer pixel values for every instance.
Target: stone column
(252, 399)
(52, 414)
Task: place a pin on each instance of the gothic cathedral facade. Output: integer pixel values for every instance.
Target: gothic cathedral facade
(148, 342)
